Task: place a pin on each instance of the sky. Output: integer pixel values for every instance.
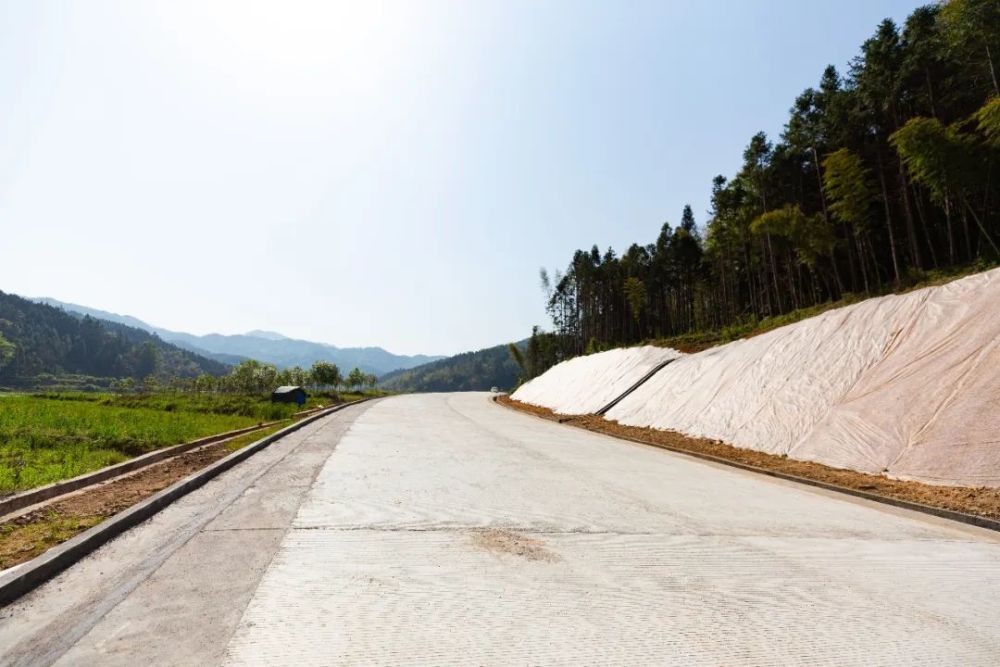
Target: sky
(375, 173)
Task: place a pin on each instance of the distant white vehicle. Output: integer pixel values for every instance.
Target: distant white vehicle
(495, 390)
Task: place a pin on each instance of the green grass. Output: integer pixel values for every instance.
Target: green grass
(259, 408)
(43, 440)
(47, 437)
(348, 396)
(241, 441)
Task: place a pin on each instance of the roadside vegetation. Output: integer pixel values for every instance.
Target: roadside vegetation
(49, 436)
(44, 439)
(28, 535)
(884, 177)
(241, 441)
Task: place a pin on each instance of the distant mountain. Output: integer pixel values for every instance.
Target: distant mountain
(37, 339)
(128, 320)
(289, 352)
(469, 371)
(270, 335)
(99, 314)
(267, 346)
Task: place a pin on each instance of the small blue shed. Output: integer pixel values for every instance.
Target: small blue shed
(289, 394)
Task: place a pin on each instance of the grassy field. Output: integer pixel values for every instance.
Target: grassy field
(256, 407)
(48, 437)
(43, 440)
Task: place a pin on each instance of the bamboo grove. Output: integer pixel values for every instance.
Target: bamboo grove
(882, 173)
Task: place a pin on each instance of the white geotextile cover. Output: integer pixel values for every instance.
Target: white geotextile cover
(586, 384)
(908, 385)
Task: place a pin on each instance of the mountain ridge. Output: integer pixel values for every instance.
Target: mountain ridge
(37, 339)
(266, 346)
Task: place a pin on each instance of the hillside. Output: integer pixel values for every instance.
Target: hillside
(902, 385)
(266, 346)
(469, 371)
(38, 339)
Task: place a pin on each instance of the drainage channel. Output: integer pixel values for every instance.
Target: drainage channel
(641, 381)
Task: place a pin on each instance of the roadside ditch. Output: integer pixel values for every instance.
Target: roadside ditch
(974, 505)
(30, 533)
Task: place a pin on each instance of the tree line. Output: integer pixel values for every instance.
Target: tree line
(881, 174)
(470, 371)
(253, 377)
(38, 339)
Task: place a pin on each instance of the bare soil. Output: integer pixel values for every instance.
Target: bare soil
(980, 501)
(509, 542)
(28, 535)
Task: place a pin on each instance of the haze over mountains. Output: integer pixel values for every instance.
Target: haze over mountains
(266, 346)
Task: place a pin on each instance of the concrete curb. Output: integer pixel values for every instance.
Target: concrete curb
(940, 512)
(33, 496)
(27, 576)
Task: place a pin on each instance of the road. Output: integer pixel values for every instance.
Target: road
(444, 529)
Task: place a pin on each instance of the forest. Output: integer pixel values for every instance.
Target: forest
(469, 371)
(37, 339)
(883, 174)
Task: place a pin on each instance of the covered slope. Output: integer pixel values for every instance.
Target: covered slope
(907, 385)
(585, 384)
(930, 409)
(765, 392)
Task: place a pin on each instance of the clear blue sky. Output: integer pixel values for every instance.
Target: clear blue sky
(375, 174)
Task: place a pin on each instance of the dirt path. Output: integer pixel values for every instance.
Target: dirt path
(984, 502)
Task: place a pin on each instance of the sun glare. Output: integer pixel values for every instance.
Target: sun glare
(287, 44)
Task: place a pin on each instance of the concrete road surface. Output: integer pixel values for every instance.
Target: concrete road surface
(443, 529)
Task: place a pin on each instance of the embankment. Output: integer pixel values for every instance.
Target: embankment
(907, 386)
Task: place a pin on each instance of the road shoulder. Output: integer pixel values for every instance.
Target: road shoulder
(173, 589)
